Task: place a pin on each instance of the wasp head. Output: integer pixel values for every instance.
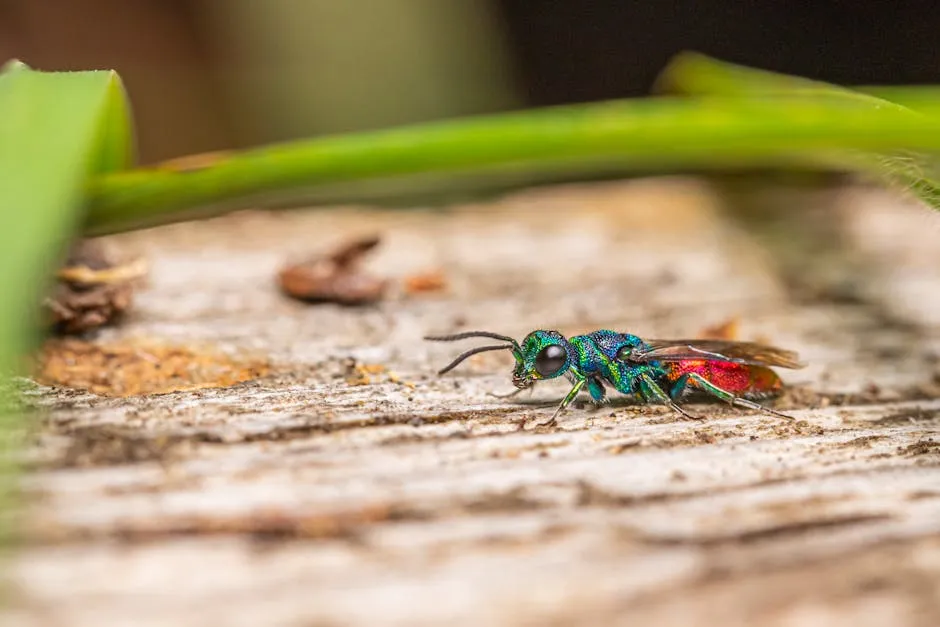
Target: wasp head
(541, 355)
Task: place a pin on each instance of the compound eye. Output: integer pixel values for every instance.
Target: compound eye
(550, 360)
(625, 353)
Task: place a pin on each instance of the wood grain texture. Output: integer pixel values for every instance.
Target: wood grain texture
(350, 486)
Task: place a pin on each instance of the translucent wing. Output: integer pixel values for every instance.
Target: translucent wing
(714, 350)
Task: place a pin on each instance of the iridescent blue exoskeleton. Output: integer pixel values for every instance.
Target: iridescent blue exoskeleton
(657, 371)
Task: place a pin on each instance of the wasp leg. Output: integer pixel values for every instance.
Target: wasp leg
(693, 379)
(652, 392)
(597, 391)
(574, 392)
(513, 393)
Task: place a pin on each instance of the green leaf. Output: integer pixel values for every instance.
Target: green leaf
(56, 131)
(729, 121)
(657, 134)
(914, 168)
(923, 98)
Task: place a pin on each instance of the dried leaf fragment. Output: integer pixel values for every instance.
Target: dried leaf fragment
(92, 289)
(334, 277)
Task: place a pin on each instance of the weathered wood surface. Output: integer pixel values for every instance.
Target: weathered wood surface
(322, 495)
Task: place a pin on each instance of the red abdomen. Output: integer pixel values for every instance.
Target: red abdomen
(739, 379)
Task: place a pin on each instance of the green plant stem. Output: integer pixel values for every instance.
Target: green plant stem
(922, 98)
(915, 169)
(651, 134)
(697, 74)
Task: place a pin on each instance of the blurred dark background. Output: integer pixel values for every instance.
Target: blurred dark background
(216, 74)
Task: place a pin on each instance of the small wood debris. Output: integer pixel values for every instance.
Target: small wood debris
(131, 369)
(363, 374)
(434, 281)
